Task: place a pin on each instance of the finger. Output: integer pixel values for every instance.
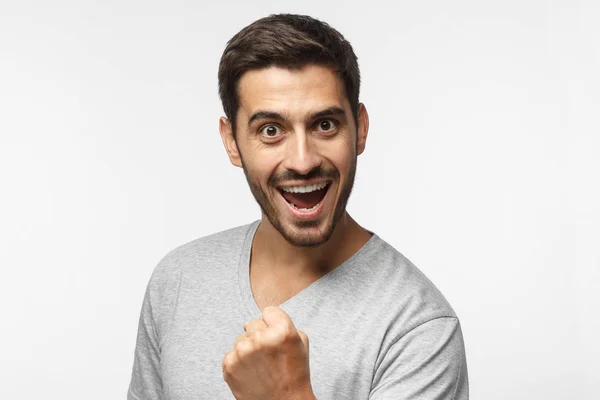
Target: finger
(255, 325)
(280, 326)
(243, 336)
(228, 364)
(304, 338)
(244, 350)
(273, 315)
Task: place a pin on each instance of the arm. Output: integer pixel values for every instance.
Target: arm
(146, 383)
(428, 363)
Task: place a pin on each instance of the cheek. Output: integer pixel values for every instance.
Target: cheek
(340, 156)
(262, 167)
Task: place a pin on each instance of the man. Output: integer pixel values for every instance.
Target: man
(304, 303)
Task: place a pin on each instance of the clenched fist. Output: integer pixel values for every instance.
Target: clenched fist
(270, 360)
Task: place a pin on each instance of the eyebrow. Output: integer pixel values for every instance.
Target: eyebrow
(331, 111)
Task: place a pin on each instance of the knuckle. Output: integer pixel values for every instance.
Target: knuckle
(238, 339)
(228, 361)
(303, 336)
(255, 325)
(244, 348)
(287, 333)
(283, 329)
(258, 338)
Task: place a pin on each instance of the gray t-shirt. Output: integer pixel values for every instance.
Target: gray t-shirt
(378, 328)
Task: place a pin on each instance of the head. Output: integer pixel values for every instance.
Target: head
(289, 86)
(287, 41)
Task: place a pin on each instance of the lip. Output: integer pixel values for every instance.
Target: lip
(306, 214)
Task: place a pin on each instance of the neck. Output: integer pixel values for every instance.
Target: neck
(274, 255)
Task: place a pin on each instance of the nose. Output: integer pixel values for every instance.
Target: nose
(301, 153)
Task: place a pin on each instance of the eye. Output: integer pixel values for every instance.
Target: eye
(326, 125)
(270, 131)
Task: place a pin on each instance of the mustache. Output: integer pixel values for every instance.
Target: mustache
(290, 175)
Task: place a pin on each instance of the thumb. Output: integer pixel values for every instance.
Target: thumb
(273, 315)
(304, 339)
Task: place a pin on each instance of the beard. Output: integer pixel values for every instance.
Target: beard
(267, 204)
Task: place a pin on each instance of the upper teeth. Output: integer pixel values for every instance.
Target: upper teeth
(304, 189)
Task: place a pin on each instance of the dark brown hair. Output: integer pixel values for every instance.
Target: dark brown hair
(290, 41)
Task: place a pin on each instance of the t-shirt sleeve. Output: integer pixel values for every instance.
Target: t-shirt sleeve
(146, 383)
(427, 363)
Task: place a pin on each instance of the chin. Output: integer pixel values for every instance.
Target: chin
(310, 233)
(306, 239)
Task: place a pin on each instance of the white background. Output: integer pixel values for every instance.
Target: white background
(482, 167)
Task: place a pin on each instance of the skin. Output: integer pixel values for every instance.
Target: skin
(294, 127)
(269, 361)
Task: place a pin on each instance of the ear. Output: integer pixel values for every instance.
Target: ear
(362, 130)
(229, 142)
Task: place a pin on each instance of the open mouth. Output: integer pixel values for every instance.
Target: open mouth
(305, 198)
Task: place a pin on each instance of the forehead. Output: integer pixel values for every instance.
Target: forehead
(295, 91)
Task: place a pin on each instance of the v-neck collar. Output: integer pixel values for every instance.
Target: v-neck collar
(296, 302)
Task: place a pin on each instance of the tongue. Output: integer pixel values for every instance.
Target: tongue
(305, 200)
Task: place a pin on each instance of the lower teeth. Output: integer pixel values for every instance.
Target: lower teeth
(306, 209)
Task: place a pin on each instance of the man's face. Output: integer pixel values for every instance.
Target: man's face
(297, 143)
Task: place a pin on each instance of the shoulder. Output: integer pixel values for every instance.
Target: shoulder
(416, 323)
(187, 265)
(402, 289)
(217, 249)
